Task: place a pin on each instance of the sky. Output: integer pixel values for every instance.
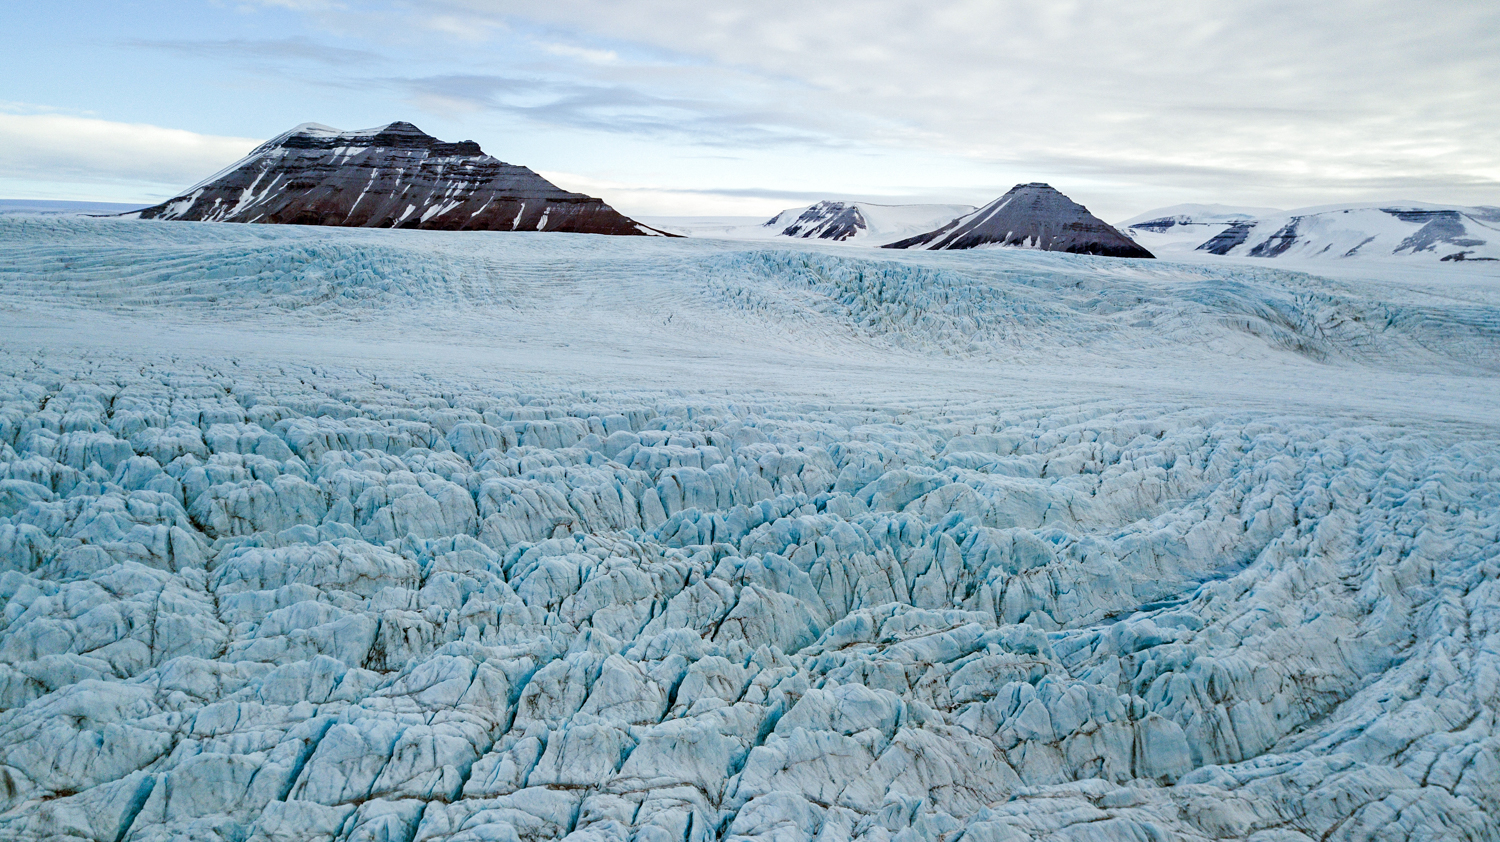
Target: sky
(747, 107)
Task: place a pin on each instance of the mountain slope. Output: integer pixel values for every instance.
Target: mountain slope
(849, 221)
(1401, 230)
(394, 176)
(1030, 216)
(1185, 227)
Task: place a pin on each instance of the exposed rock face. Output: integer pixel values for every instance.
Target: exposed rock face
(1278, 243)
(396, 176)
(1212, 228)
(861, 223)
(1406, 231)
(1227, 240)
(825, 221)
(1030, 216)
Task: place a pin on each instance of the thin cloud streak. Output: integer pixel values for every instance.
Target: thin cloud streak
(300, 49)
(1272, 102)
(81, 151)
(609, 109)
(1342, 96)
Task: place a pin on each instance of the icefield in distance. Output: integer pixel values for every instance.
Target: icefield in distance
(866, 224)
(1416, 232)
(329, 534)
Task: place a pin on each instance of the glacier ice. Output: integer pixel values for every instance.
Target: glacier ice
(287, 591)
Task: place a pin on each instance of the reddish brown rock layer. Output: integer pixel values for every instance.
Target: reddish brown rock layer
(392, 177)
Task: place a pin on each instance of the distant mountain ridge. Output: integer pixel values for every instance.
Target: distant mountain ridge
(392, 176)
(57, 207)
(846, 221)
(1034, 216)
(1402, 230)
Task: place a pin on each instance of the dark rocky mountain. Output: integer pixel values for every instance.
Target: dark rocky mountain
(1029, 216)
(395, 176)
(1232, 237)
(861, 222)
(826, 221)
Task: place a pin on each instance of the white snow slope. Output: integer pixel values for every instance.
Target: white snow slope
(852, 223)
(328, 534)
(1182, 228)
(1399, 231)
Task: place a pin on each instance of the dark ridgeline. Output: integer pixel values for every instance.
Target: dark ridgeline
(1030, 216)
(393, 177)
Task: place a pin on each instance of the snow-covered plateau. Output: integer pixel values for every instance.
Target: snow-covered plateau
(1404, 231)
(343, 534)
(852, 223)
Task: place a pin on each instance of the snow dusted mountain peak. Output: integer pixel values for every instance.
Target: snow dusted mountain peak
(861, 223)
(397, 135)
(391, 176)
(825, 220)
(319, 128)
(1034, 215)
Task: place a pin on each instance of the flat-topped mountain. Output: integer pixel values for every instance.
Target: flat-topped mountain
(1032, 216)
(394, 176)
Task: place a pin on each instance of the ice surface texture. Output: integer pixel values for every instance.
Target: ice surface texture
(283, 594)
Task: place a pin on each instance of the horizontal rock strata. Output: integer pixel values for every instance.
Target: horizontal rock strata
(395, 176)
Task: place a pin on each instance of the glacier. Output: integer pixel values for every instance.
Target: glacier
(327, 534)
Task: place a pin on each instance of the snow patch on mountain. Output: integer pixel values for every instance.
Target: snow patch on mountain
(1398, 230)
(849, 223)
(1187, 226)
(1034, 216)
(392, 176)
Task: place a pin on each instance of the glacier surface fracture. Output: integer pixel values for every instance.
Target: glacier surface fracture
(353, 535)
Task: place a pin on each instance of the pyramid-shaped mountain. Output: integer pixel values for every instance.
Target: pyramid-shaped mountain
(1029, 216)
(394, 176)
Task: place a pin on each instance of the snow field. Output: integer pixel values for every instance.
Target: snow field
(1020, 306)
(261, 595)
(1394, 232)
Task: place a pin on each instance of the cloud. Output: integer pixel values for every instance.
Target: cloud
(610, 108)
(303, 5)
(582, 53)
(1277, 102)
(76, 152)
(660, 200)
(1301, 97)
(656, 200)
(300, 49)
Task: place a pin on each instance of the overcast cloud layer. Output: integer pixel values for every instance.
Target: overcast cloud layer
(676, 106)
